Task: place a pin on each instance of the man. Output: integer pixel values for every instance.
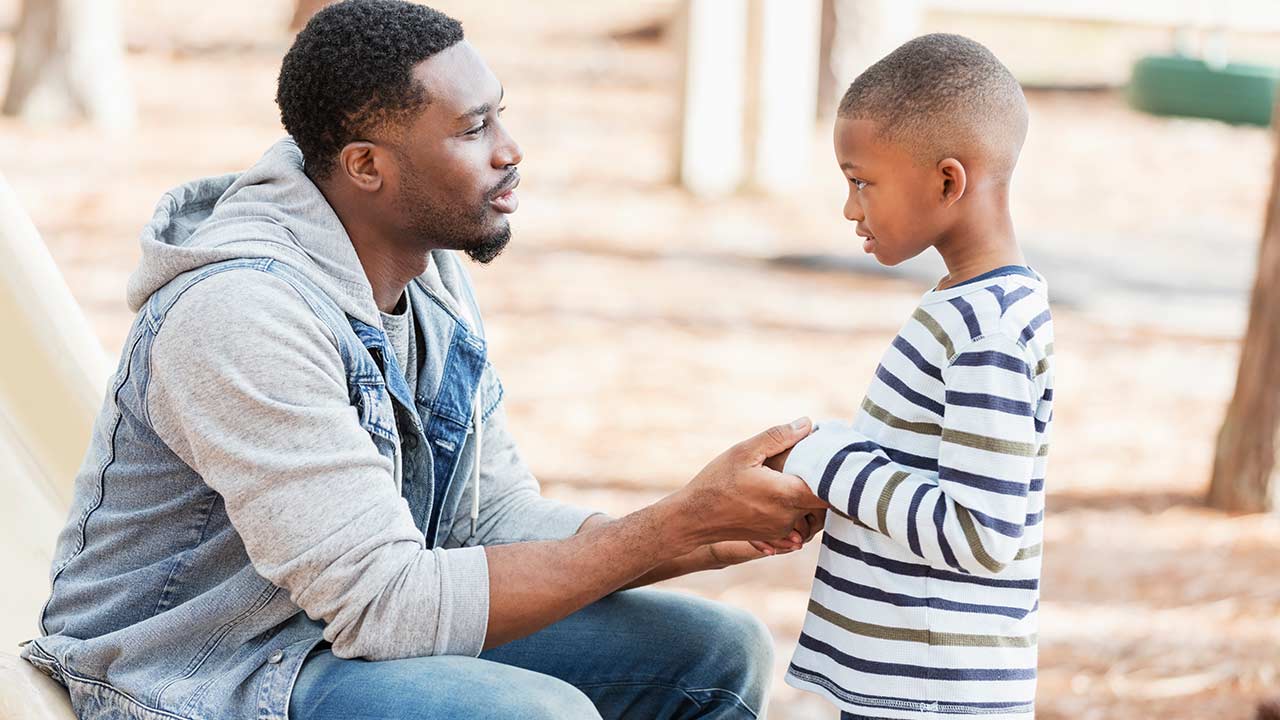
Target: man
(301, 499)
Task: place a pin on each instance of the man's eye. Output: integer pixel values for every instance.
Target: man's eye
(477, 129)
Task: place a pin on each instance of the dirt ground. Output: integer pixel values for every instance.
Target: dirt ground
(640, 331)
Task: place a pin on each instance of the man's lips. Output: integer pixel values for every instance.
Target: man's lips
(506, 201)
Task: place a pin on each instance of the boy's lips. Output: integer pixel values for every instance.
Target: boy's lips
(868, 243)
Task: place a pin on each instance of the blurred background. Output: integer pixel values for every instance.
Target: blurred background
(681, 277)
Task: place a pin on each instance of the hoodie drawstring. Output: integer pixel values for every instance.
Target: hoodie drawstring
(475, 466)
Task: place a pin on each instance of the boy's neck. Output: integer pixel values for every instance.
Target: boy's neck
(979, 247)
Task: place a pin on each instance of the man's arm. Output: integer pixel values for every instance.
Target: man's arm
(532, 585)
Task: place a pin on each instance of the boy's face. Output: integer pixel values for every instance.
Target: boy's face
(894, 199)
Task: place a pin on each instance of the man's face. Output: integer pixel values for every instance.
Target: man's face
(892, 197)
(456, 164)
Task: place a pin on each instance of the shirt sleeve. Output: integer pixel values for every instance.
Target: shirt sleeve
(247, 388)
(972, 515)
(512, 507)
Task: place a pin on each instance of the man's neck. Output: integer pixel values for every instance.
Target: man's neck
(979, 247)
(389, 265)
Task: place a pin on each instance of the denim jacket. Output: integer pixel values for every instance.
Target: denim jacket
(237, 505)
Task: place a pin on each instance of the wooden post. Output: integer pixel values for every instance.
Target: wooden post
(69, 63)
(712, 158)
(1245, 464)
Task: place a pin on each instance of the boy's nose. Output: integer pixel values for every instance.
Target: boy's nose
(853, 209)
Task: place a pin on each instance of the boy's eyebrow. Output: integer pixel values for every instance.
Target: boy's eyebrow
(850, 166)
(484, 108)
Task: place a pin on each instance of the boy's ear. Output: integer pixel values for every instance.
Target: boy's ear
(954, 181)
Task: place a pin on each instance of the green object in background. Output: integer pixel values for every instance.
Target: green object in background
(1177, 85)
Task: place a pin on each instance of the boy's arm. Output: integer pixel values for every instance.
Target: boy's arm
(972, 517)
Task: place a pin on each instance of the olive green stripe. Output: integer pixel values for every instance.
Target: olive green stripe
(975, 542)
(884, 632)
(936, 330)
(886, 496)
(1043, 451)
(1042, 367)
(990, 444)
(894, 421)
(1029, 552)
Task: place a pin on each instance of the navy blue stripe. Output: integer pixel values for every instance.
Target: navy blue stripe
(865, 699)
(909, 352)
(982, 482)
(1037, 484)
(1040, 426)
(918, 462)
(860, 482)
(1004, 527)
(914, 671)
(876, 594)
(906, 569)
(1001, 272)
(993, 358)
(1048, 395)
(983, 401)
(1013, 297)
(1035, 518)
(1030, 330)
(913, 532)
(912, 396)
(940, 522)
(833, 467)
(999, 293)
(970, 320)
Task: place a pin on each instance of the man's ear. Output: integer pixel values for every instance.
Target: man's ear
(954, 181)
(361, 162)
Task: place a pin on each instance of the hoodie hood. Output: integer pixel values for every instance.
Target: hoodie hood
(272, 210)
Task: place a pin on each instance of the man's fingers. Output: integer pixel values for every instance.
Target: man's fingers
(775, 440)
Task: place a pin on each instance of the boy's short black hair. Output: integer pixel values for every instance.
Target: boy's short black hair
(938, 94)
(350, 70)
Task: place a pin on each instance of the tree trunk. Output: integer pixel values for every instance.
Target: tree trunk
(303, 11)
(69, 63)
(1245, 465)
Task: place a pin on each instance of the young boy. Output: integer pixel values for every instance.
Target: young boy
(924, 604)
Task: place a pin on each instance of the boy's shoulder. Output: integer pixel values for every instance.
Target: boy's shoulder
(1015, 306)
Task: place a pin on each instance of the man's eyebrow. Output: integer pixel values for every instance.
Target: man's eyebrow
(483, 109)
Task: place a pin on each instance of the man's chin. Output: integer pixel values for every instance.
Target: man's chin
(488, 249)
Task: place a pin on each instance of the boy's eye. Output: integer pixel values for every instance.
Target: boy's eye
(859, 184)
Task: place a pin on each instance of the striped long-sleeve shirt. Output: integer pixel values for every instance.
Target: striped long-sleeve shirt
(928, 581)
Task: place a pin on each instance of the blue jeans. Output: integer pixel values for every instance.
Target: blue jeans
(643, 654)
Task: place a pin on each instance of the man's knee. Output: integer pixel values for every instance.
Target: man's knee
(547, 698)
(743, 636)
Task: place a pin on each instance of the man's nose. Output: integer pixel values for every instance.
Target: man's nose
(508, 153)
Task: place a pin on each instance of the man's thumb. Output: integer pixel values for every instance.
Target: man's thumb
(778, 438)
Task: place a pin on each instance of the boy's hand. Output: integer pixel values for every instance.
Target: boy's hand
(804, 530)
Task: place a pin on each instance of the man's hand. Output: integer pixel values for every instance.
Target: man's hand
(735, 497)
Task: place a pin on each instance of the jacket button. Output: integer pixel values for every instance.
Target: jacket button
(276, 657)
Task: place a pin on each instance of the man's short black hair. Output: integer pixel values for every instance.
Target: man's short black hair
(939, 94)
(350, 71)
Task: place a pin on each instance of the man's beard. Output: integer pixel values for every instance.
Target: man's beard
(450, 226)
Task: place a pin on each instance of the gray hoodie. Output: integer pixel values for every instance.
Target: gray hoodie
(244, 466)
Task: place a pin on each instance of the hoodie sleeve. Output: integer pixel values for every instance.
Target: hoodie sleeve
(512, 507)
(248, 388)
